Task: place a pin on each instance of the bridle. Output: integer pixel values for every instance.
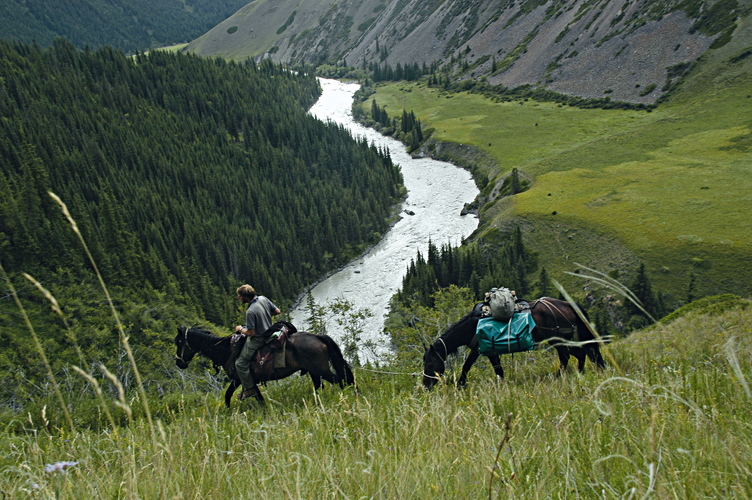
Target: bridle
(182, 348)
(195, 353)
(443, 360)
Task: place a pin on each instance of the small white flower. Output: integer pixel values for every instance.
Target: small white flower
(59, 467)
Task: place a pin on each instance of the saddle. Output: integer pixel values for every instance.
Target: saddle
(270, 356)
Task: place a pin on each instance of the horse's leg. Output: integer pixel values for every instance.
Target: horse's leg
(230, 391)
(496, 364)
(316, 382)
(581, 355)
(595, 356)
(466, 367)
(563, 352)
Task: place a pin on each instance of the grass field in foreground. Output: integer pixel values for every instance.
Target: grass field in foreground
(673, 186)
(670, 420)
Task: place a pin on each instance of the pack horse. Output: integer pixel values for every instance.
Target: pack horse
(555, 321)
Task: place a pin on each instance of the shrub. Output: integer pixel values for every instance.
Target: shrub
(648, 89)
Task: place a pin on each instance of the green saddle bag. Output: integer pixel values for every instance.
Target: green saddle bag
(504, 337)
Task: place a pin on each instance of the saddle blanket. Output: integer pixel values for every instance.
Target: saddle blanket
(495, 337)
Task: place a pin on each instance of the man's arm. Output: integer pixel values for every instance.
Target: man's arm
(249, 332)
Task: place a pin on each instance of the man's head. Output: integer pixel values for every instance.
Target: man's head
(246, 293)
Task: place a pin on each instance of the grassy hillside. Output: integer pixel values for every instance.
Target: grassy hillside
(670, 187)
(669, 418)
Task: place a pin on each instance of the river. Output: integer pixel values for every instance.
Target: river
(436, 193)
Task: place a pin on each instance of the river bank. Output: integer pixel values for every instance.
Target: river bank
(436, 193)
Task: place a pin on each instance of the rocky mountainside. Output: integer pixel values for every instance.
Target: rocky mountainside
(628, 50)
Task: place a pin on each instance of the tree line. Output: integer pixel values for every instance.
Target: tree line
(504, 260)
(131, 26)
(405, 128)
(186, 177)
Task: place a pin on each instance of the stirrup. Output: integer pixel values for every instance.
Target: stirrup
(248, 393)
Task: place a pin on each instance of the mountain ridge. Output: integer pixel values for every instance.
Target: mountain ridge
(626, 50)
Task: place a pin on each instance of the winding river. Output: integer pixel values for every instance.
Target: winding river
(436, 193)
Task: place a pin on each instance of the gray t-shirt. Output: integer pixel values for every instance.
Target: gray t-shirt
(259, 315)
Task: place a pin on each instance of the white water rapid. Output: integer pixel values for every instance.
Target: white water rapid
(436, 191)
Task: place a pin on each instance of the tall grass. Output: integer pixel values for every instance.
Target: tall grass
(675, 424)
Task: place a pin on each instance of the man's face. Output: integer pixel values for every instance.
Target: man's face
(241, 298)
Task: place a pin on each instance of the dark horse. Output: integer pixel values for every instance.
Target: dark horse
(555, 321)
(304, 352)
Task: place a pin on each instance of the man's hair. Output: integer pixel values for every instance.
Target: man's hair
(246, 291)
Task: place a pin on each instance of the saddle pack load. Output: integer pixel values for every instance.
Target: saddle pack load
(501, 302)
(504, 337)
(510, 325)
(268, 357)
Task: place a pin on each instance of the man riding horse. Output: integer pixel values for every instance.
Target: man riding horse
(258, 320)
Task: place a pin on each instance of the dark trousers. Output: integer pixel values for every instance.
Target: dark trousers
(243, 363)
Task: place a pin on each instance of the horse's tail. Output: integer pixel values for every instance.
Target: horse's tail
(592, 347)
(344, 373)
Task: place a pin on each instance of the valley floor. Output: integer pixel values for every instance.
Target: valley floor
(612, 188)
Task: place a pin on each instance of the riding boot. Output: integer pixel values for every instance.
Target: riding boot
(252, 392)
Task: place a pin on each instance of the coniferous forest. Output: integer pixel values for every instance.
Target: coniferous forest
(133, 25)
(186, 178)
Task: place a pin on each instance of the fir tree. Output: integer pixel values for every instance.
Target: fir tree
(543, 286)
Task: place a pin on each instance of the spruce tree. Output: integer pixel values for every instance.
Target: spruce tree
(543, 286)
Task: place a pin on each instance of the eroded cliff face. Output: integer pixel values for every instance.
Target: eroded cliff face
(628, 50)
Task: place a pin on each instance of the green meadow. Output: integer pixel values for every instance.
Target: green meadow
(669, 418)
(671, 187)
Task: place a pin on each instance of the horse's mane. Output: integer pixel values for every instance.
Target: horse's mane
(449, 341)
(205, 340)
(203, 333)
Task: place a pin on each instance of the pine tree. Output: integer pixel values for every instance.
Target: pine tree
(643, 290)
(543, 286)
(515, 187)
(691, 288)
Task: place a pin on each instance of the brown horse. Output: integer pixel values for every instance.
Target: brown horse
(555, 321)
(304, 352)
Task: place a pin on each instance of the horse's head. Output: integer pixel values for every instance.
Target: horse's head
(433, 367)
(460, 333)
(184, 354)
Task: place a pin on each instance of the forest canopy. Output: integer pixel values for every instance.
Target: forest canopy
(186, 176)
(130, 26)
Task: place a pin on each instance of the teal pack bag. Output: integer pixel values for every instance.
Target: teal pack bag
(494, 337)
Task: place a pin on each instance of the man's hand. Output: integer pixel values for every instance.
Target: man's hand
(238, 328)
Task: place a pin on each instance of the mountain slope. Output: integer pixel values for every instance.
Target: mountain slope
(613, 188)
(626, 50)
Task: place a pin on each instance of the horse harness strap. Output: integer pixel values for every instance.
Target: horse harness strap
(446, 350)
(551, 307)
(446, 355)
(198, 353)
